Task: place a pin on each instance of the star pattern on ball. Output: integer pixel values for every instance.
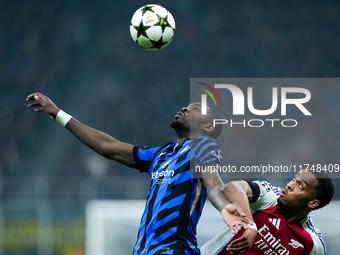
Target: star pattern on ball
(163, 22)
(157, 44)
(141, 29)
(147, 8)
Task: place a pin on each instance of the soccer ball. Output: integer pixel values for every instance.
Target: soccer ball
(152, 27)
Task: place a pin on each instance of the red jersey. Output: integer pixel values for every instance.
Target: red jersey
(276, 236)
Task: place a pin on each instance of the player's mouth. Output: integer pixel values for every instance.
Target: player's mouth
(283, 193)
(179, 114)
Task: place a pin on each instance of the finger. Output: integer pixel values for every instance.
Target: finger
(37, 98)
(39, 110)
(250, 221)
(235, 250)
(240, 212)
(247, 220)
(31, 96)
(239, 225)
(40, 99)
(244, 225)
(33, 105)
(237, 243)
(232, 230)
(238, 250)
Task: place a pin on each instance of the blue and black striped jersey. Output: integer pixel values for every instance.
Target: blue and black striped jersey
(175, 201)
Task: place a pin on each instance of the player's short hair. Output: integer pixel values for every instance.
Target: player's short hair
(211, 115)
(324, 190)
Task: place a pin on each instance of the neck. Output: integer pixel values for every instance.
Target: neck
(295, 215)
(181, 137)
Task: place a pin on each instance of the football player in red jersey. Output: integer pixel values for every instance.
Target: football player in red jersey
(284, 225)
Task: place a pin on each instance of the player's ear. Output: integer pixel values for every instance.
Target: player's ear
(313, 204)
(208, 127)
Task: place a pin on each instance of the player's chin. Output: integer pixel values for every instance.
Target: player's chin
(173, 124)
(282, 200)
(176, 123)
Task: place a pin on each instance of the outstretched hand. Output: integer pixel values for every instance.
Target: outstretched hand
(43, 104)
(243, 243)
(234, 217)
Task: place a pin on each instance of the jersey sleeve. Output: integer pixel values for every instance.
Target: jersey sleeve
(206, 152)
(218, 244)
(144, 156)
(319, 247)
(265, 195)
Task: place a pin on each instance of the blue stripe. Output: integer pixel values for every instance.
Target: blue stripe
(311, 226)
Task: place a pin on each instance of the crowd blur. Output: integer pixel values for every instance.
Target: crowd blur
(81, 55)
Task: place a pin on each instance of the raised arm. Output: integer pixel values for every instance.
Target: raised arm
(240, 192)
(100, 142)
(231, 213)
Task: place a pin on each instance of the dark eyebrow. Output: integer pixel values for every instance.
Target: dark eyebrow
(304, 180)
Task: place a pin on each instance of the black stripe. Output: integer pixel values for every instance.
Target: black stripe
(255, 190)
(180, 189)
(164, 228)
(195, 142)
(207, 151)
(204, 143)
(182, 157)
(184, 217)
(211, 156)
(164, 249)
(148, 218)
(143, 166)
(165, 149)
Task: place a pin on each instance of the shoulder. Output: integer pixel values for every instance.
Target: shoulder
(201, 140)
(205, 149)
(265, 197)
(147, 151)
(203, 143)
(267, 189)
(144, 156)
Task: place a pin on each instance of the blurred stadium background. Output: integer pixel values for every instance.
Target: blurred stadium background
(81, 55)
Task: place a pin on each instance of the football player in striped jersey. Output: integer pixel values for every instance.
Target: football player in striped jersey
(177, 194)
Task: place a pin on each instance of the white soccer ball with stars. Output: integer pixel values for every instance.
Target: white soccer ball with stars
(152, 27)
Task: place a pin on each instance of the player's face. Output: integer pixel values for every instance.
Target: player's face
(189, 118)
(300, 191)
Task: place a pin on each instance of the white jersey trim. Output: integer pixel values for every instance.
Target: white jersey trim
(267, 198)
